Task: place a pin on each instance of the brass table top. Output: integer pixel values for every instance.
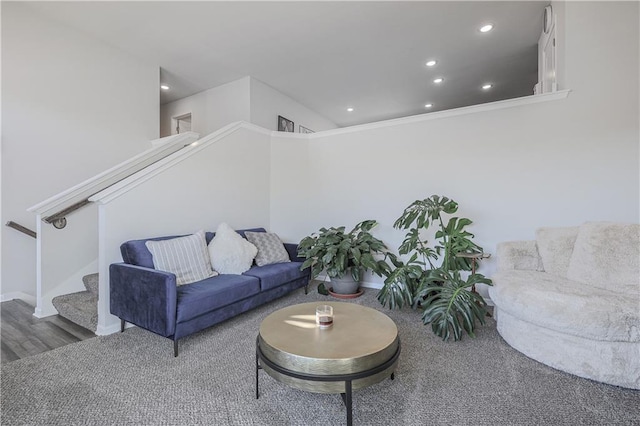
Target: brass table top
(357, 331)
(360, 339)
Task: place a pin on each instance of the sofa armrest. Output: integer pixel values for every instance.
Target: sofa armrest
(292, 249)
(143, 296)
(522, 255)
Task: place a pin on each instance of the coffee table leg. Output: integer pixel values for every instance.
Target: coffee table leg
(257, 375)
(346, 397)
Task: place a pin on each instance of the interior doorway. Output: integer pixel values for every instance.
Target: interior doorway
(181, 124)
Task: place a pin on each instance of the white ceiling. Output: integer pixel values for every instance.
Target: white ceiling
(328, 55)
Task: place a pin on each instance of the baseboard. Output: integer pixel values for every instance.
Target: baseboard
(370, 284)
(104, 331)
(18, 295)
(43, 313)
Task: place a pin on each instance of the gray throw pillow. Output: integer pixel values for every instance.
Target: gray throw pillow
(186, 257)
(270, 248)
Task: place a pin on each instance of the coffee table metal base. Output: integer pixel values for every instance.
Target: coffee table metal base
(269, 366)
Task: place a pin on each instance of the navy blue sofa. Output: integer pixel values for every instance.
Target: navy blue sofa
(150, 299)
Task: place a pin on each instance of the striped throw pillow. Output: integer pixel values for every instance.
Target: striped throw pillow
(186, 257)
(270, 248)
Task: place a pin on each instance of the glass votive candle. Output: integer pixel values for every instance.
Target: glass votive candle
(324, 316)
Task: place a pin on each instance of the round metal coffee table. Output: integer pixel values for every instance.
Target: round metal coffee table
(361, 348)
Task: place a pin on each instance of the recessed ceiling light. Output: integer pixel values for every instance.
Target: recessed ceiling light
(438, 80)
(164, 87)
(486, 28)
(350, 109)
(487, 86)
(428, 105)
(431, 63)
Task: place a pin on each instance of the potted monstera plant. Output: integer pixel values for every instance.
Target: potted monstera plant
(344, 256)
(430, 279)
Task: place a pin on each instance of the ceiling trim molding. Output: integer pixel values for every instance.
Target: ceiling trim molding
(255, 128)
(473, 109)
(290, 135)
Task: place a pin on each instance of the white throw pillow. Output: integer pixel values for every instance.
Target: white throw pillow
(186, 257)
(229, 252)
(270, 248)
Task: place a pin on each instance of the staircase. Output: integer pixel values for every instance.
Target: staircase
(67, 232)
(81, 307)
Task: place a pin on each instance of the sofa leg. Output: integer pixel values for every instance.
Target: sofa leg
(122, 323)
(175, 348)
(306, 289)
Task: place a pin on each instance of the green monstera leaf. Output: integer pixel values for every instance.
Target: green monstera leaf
(401, 283)
(455, 241)
(449, 304)
(430, 279)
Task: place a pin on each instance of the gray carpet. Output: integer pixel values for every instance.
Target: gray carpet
(133, 379)
(81, 307)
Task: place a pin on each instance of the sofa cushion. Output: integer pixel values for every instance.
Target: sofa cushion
(518, 255)
(204, 296)
(275, 275)
(186, 257)
(270, 248)
(229, 252)
(567, 306)
(210, 235)
(555, 246)
(243, 232)
(135, 252)
(607, 256)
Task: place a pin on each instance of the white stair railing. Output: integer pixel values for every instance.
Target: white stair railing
(63, 256)
(54, 210)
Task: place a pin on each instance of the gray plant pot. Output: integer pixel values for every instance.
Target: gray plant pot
(345, 285)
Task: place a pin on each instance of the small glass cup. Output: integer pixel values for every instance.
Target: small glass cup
(324, 316)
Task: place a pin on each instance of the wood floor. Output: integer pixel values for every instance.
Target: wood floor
(23, 335)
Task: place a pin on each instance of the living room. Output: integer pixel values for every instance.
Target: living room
(513, 167)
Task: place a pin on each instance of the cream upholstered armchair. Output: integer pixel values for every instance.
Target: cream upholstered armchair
(571, 300)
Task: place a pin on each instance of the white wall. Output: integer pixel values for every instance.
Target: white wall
(511, 170)
(227, 181)
(267, 104)
(71, 107)
(210, 110)
(246, 99)
(293, 194)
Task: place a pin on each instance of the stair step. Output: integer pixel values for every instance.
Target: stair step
(80, 308)
(91, 283)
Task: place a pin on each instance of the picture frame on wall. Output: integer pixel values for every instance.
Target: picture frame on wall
(303, 129)
(284, 124)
